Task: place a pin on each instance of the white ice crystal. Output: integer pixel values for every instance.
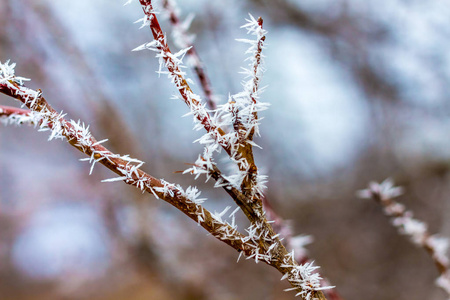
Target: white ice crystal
(443, 282)
(18, 119)
(128, 2)
(384, 190)
(415, 229)
(439, 246)
(303, 277)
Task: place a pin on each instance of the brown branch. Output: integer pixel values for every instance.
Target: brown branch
(182, 85)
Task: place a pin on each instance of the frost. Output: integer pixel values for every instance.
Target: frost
(443, 282)
(231, 127)
(299, 242)
(303, 277)
(253, 27)
(415, 229)
(218, 216)
(439, 246)
(18, 119)
(193, 194)
(384, 190)
(7, 76)
(238, 114)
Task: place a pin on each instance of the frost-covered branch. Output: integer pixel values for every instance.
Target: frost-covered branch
(231, 127)
(246, 104)
(14, 115)
(173, 63)
(436, 246)
(296, 243)
(7, 111)
(184, 40)
(254, 72)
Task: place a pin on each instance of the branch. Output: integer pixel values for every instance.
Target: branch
(435, 245)
(172, 63)
(184, 40)
(248, 104)
(10, 110)
(14, 115)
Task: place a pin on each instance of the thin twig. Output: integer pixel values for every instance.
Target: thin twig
(11, 110)
(184, 41)
(435, 245)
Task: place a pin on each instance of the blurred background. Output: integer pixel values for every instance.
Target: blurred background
(359, 91)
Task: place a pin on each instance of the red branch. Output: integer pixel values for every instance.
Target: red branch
(192, 52)
(10, 110)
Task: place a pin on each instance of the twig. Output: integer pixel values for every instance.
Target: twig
(435, 245)
(14, 115)
(249, 111)
(11, 110)
(184, 40)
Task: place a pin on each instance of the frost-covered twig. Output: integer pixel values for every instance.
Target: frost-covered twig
(174, 70)
(247, 104)
(254, 72)
(239, 115)
(296, 243)
(15, 115)
(416, 230)
(184, 40)
(7, 111)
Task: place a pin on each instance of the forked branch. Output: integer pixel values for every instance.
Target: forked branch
(261, 245)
